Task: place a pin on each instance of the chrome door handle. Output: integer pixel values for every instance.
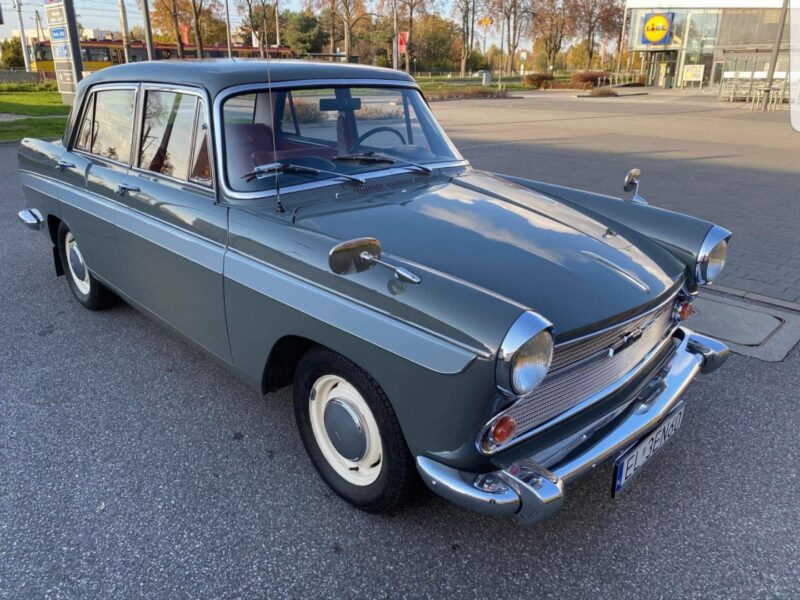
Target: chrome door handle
(123, 188)
(64, 164)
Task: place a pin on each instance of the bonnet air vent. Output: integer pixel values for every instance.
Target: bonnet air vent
(395, 182)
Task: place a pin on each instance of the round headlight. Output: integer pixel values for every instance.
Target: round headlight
(713, 255)
(531, 362)
(715, 261)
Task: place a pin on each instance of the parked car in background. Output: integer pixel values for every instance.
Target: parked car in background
(312, 225)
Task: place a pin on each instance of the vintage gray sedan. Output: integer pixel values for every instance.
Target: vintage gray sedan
(312, 225)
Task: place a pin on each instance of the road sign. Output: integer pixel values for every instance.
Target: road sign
(55, 15)
(65, 46)
(402, 42)
(61, 52)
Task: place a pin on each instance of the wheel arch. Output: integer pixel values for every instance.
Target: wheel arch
(282, 361)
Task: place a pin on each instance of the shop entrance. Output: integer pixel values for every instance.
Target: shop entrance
(662, 68)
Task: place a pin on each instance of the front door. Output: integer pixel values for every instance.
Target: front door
(171, 232)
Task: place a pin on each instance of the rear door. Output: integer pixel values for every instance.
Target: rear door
(92, 170)
(172, 234)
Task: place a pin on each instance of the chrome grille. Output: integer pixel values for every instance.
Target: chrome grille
(580, 369)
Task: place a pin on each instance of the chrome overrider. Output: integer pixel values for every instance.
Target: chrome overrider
(534, 493)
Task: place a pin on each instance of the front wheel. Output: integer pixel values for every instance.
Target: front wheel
(351, 433)
(87, 290)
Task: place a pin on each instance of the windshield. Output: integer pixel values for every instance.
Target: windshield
(341, 130)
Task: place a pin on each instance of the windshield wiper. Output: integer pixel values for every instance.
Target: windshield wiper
(377, 157)
(277, 168)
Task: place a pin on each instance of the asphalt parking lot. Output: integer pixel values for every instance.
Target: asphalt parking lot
(131, 465)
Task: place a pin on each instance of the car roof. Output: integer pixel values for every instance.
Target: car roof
(217, 74)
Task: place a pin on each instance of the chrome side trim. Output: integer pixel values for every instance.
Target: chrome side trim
(714, 236)
(88, 202)
(527, 325)
(31, 218)
(419, 346)
(630, 278)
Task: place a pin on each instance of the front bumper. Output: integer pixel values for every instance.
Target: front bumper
(532, 492)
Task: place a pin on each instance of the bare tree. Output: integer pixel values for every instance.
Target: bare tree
(465, 9)
(197, 8)
(588, 13)
(350, 13)
(411, 5)
(248, 8)
(552, 25)
(518, 16)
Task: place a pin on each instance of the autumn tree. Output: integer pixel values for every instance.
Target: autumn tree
(11, 51)
(252, 23)
(168, 14)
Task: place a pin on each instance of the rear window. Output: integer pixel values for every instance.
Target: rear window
(108, 124)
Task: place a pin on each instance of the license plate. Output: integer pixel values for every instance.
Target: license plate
(630, 463)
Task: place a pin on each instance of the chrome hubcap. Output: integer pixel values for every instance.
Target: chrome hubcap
(76, 264)
(345, 430)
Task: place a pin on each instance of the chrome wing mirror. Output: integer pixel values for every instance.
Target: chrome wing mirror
(356, 256)
(632, 181)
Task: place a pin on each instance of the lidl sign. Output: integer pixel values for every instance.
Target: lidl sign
(657, 28)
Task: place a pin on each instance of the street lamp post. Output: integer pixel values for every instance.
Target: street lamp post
(775, 51)
(22, 37)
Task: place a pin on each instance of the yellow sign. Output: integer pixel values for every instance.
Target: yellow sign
(657, 28)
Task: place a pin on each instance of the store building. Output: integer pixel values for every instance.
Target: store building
(682, 43)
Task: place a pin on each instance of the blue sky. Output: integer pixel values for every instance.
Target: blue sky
(100, 14)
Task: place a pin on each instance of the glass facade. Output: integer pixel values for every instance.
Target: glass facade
(710, 42)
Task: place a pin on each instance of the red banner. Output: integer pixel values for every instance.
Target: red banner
(402, 42)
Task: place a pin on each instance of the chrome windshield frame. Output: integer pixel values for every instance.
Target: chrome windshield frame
(219, 137)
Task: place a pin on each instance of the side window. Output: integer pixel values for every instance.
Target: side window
(201, 157)
(113, 122)
(84, 140)
(167, 133)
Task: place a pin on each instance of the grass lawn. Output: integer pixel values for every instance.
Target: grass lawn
(33, 104)
(45, 127)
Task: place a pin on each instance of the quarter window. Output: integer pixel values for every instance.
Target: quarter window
(85, 134)
(201, 159)
(107, 124)
(167, 133)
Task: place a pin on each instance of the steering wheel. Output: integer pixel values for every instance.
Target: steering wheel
(371, 132)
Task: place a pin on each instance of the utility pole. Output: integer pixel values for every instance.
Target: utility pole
(395, 38)
(39, 29)
(228, 29)
(22, 37)
(775, 51)
(277, 24)
(123, 27)
(148, 32)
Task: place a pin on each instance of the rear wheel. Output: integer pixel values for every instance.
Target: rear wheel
(351, 432)
(87, 290)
